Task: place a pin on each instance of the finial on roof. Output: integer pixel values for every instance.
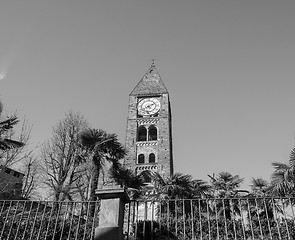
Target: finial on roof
(153, 66)
(153, 62)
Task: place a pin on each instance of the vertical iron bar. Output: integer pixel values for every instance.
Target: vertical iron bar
(232, 213)
(250, 218)
(136, 222)
(267, 218)
(242, 219)
(144, 219)
(87, 218)
(5, 218)
(161, 217)
(79, 220)
(292, 209)
(208, 219)
(224, 216)
(134, 212)
(42, 219)
(176, 217)
(183, 217)
(258, 217)
(1, 212)
(285, 218)
(276, 218)
(64, 220)
(200, 219)
(168, 220)
(128, 220)
(20, 219)
(73, 204)
(15, 213)
(134, 217)
(28, 219)
(152, 223)
(49, 220)
(2, 208)
(216, 217)
(56, 220)
(97, 206)
(33, 227)
(192, 218)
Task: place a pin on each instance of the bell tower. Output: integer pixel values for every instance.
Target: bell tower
(149, 131)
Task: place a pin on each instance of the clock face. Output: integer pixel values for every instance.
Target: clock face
(148, 106)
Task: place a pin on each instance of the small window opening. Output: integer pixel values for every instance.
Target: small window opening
(153, 135)
(152, 158)
(142, 134)
(140, 158)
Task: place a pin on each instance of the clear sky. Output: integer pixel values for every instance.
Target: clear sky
(229, 66)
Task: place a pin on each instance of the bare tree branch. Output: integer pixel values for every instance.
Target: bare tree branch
(61, 165)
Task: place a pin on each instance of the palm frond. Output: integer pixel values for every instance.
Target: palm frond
(259, 183)
(8, 123)
(9, 144)
(280, 166)
(292, 158)
(279, 185)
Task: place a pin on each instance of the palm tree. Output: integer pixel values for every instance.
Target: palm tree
(283, 178)
(258, 202)
(200, 189)
(102, 148)
(128, 179)
(259, 187)
(225, 184)
(5, 126)
(178, 186)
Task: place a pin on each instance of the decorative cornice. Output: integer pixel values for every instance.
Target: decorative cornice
(147, 121)
(149, 143)
(146, 167)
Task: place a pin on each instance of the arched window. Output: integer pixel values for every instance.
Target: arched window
(153, 135)
(142, 134)
(152, 158)
(140, 158)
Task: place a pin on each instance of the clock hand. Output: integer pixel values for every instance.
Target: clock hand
(150, 106)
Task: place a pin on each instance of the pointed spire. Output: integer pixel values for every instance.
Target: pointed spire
(151, 83)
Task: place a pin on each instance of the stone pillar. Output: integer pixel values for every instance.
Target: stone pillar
(111, 214)
(112, 207)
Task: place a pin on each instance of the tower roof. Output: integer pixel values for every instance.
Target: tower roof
(150, 84)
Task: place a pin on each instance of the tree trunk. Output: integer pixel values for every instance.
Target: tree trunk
(93, 187)
(94, 183)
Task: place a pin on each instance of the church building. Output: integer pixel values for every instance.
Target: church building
(149, 128)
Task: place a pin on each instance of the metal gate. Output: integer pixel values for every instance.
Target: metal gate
(224, 219)
(235, 218)
(39, 220)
